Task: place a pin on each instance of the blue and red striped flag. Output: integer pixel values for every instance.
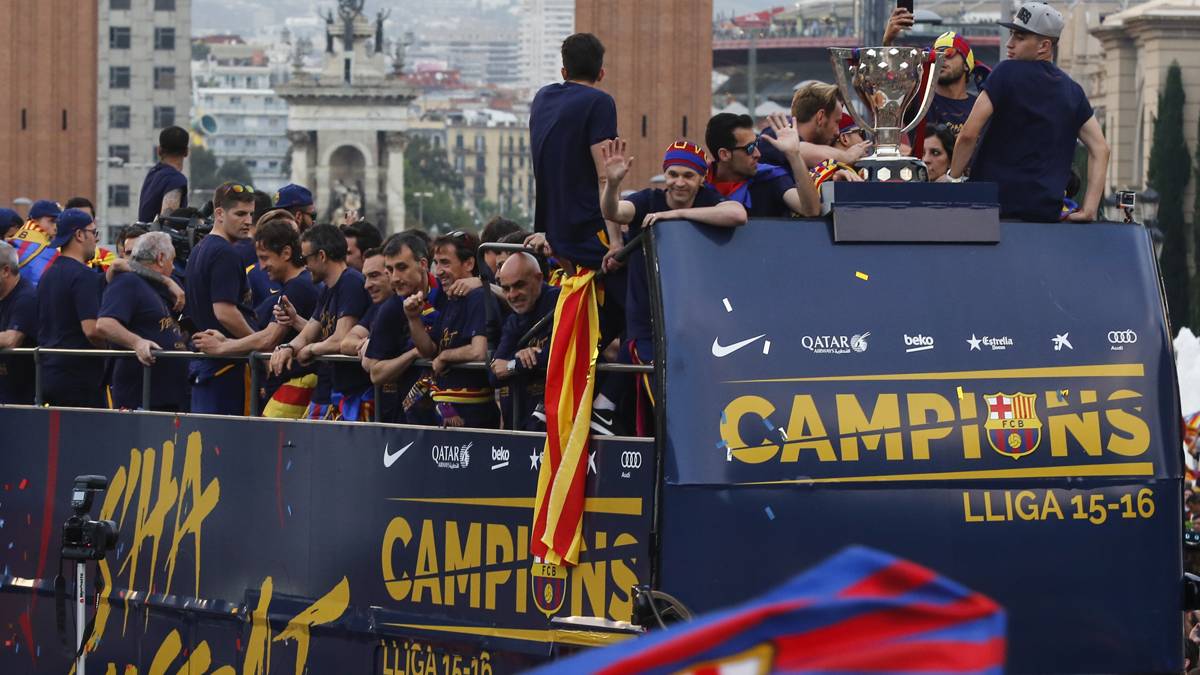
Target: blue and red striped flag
(861, 611)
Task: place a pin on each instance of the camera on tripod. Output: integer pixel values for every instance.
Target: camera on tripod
(84, 538)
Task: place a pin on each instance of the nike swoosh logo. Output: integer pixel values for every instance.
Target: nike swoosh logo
(719, 351)
(390, 458)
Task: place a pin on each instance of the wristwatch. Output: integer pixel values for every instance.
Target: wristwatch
(512, 365)
(952, 179)
(284, 346)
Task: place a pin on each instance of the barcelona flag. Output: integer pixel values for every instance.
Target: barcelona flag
(861, 611)
(570, 380)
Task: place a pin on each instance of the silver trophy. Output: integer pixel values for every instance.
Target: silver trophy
(887, 80)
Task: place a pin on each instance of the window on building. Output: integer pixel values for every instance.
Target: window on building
(229, 142)
(235, 100)
(270, 100)
(459, 163)
(164, 116)
(252, 163)
(249, 142)
(458, 141)
(273, 143)
(118, 37)
(480, 143)
(521, 144)
(118, 117)
(208, 98)
(119, 151)
(480, 163)
(118, 4)
(164, 38)
(118, 195)
(273, 164)
(164, 77)
(164, 5)
(118, 77)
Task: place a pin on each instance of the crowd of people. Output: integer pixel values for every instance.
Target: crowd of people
(267, 278)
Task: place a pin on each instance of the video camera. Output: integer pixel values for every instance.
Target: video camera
(186, 227)
(84, 538)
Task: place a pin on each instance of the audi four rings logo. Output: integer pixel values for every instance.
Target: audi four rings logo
(1122, 337)
(631, 459)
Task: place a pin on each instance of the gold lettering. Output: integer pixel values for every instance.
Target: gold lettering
(1051, 504)
(620, 602)
(806, 431)
(1084, 428)
(970, 432)
(1137, 440)
(499, 550)
(398, 530)
(325, 610)
(852, 420)
(459, 557)
(919, 407)
(737, 408)
(967, 515)
(203, 503)
(589, 576)
(1026, 508)
(258, 648)
(427, 566)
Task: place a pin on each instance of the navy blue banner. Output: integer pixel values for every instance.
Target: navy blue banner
(1006, 414)
(336, 547)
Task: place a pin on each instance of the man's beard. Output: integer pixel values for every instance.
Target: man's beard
(950, 78)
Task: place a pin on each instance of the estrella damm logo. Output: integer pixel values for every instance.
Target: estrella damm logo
(549, 587)
(1013, 427)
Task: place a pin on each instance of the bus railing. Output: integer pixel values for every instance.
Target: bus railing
(253, 360)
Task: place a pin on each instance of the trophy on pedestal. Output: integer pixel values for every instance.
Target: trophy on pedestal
(887, 80)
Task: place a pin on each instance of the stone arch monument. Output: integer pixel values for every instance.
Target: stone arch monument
(347, 123)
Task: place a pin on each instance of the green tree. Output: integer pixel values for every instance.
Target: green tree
(427, 171)
(204, 169)
(234, 171)
(1170, 166)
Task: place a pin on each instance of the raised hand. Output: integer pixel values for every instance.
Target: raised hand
(413, 305)
(786, 139)
(900, 21)
(616, 165)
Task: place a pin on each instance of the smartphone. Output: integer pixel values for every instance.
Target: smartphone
(906, 4)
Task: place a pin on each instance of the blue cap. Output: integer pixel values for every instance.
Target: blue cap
(9, 218)
(70, 222)
(291, 195)
(43, 208)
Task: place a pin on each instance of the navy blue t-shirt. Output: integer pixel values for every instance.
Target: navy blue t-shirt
(531, 383)
(1030, 141)
(143, 311)
(638, 325)
(162, 179)
(390, 338)
(565, 121)
(214, 274)
(19, 312)
(302, 293)
(953, 112)
(763, 194)
(460, 320)
(69, 292)
(345, 298)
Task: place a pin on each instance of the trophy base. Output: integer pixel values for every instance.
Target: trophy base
(892, 170)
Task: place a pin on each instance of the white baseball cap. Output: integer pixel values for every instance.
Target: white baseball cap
(1038, 18)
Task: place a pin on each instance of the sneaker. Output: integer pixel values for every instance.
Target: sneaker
(603, 421)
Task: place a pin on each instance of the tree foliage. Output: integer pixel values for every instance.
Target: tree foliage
(203, 169)
(427, 171)
(1170, 168)
(234, 171)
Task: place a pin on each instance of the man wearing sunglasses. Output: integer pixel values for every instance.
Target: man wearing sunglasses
(298, 200)
(218, 297)
(765, 190)
(68, 305)
(1033, 112)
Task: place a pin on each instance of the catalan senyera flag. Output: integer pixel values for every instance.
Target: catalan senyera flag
(860, 611)
(570, 381)
(291, 399)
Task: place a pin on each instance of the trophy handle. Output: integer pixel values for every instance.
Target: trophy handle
(839, 56)
(927, 97)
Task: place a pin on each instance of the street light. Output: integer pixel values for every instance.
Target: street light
(421, 197)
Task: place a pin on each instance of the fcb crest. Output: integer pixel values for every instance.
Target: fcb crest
(549, 587)
(1013, 427)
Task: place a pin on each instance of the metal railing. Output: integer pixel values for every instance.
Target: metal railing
(256, 374)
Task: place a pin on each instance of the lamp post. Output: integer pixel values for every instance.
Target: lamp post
(421, 196)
